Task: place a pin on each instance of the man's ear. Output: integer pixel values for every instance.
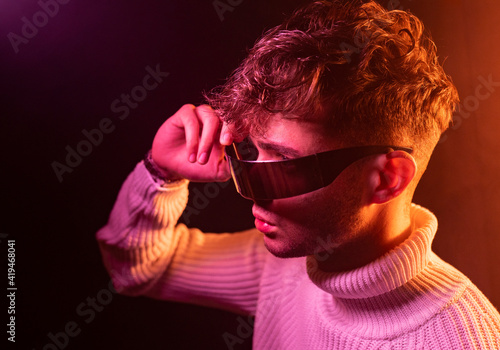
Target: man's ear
(390, 176)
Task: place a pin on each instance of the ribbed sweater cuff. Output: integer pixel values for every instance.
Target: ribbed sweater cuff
(142, 202)
(139, 238)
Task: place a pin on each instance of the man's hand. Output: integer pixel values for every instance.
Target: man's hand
(189, 145)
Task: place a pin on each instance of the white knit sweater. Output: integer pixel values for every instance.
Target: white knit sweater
(407, 299)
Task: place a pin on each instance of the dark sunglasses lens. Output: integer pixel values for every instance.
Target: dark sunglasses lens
(289, 178)
(274, 180)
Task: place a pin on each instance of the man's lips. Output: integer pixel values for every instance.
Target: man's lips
(262, 223)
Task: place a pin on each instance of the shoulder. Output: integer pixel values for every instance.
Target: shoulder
(467, 319)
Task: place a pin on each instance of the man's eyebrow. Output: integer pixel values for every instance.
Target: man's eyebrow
(285, 150)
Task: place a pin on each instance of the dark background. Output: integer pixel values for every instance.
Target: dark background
(64, 80)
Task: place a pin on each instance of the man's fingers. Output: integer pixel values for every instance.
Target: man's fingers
(209, 136)
(226, 135)
(187, 145)
(191, 126)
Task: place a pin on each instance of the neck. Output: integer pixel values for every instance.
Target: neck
(391, 226)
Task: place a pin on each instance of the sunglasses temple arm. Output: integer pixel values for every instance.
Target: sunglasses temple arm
(238, 156)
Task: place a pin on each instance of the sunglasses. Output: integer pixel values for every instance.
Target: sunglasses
(266, 180)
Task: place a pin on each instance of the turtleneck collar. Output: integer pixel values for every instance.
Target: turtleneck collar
(390, 271)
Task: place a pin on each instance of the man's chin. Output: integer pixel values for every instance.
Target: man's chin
(282, 250)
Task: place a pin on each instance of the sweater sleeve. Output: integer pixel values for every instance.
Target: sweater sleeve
(147, 253)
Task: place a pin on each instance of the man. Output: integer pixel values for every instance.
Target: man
(327, 125)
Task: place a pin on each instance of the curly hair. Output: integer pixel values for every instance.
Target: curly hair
(372, 76)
